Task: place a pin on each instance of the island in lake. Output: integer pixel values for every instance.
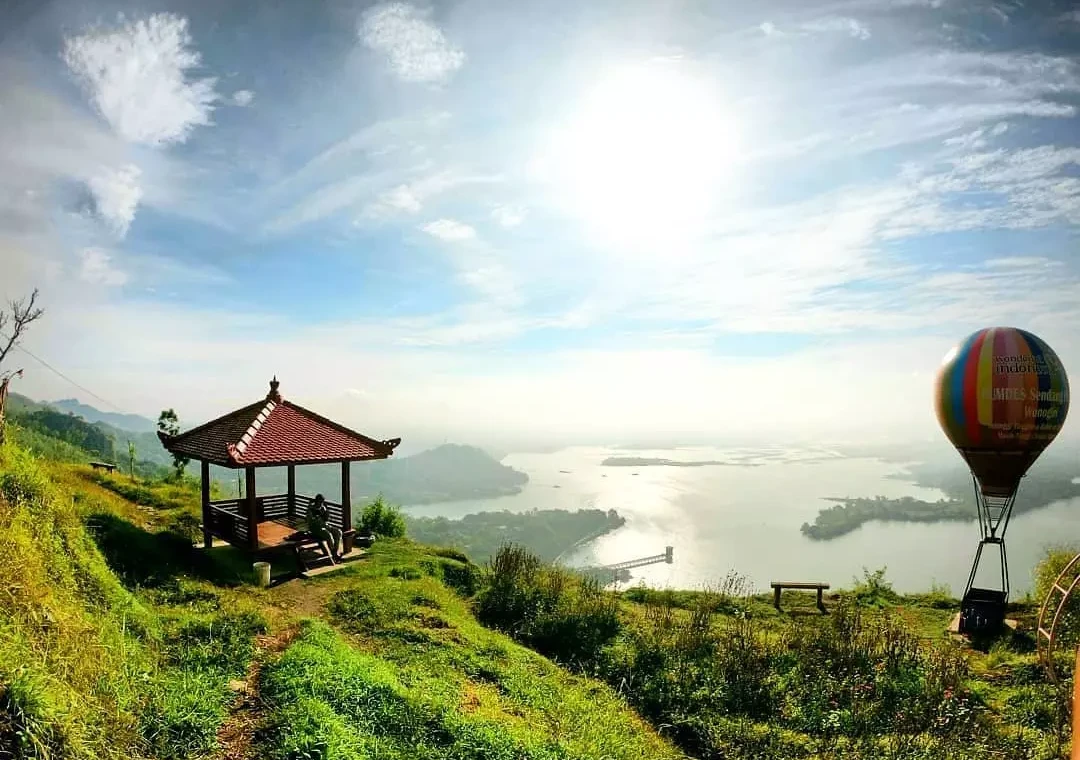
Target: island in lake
(548, 533)
(1050, 480)
(659, 462)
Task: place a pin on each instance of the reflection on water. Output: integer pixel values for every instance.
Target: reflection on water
(747, 518)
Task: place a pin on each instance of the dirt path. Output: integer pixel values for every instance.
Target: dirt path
(248, 714)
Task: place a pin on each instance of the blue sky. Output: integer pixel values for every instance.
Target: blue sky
(562, 220)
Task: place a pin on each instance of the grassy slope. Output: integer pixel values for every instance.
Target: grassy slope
(170, 653)
(428, 679)
(152, 656)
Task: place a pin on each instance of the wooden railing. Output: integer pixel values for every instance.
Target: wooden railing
(273, 507)
(228, 523)
(228, 518)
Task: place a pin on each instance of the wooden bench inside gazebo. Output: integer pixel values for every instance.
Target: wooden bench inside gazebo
(272, 432)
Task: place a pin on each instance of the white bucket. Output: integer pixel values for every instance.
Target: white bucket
(262, 573)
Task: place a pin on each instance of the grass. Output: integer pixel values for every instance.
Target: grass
(92, 663)
(404, 670)
(118, 639)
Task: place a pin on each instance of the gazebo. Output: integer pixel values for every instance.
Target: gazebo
(272, 432)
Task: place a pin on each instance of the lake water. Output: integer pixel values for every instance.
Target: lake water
(745, 515)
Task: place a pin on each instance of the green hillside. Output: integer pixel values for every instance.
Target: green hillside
(119, 639)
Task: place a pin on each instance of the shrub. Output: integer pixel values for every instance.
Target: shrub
(463, 577)
(559, 614)
(382, 519)
(873, 590)
(450, 553)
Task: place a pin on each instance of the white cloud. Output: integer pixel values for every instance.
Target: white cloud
(508, 216)
(410, 197)
(243, 98)
(137, 77)
(449, 230)
(116, 196)
(850, 26)
(416, 49)
(769, 29)
(400, 198)
(96, 268)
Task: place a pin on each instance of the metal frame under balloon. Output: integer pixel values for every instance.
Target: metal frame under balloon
(984, 609)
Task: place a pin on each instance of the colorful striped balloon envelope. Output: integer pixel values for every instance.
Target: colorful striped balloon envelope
(1002, 397)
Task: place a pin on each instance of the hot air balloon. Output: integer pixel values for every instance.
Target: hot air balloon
(1002, 396)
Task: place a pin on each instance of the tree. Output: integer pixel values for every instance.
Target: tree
(13, 323)
(169, 424)
(15, 319)
(131, 459)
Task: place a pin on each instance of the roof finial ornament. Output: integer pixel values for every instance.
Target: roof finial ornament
(274, 395)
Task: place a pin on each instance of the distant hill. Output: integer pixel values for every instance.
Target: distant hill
(132, 423)
(44, 424)
(451, 472)
(18, 403)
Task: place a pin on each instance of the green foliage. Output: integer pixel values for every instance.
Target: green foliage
(182, 712)
(382, 519)
(222, 644)
(71, 430)
(29, 724)
(368, 609)
(45, 445)
(730, 596)
(1068, 625)
(939, 597)
(561, 615)
(169, 424)
(850, 678)
(73, 643)
(460, 575)
(330, 700)
(546, 533)
(873, 590)
(176, 495)
(450, 553)
(1039, 707)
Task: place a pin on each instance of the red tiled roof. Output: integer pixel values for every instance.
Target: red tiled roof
(275, 432)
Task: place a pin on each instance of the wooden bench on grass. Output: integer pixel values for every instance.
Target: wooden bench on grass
(103, 466)
(778, 586)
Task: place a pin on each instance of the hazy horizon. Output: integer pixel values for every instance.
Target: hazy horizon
(532, 222)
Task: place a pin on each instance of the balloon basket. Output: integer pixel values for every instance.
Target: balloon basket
(982, 611)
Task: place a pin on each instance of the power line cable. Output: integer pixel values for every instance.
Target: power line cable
(65, 377)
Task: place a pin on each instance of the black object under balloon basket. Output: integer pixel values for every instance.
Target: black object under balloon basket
(982, 611)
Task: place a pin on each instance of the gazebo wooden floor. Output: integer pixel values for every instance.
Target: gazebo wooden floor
(273, 533)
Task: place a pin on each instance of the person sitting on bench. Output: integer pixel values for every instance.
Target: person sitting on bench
(318, 519)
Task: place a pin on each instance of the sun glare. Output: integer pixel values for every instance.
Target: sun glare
(644, 154)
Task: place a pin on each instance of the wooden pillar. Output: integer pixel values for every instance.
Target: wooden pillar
(208, 538)
(292, 490)
(1075, 755)
(776, 597)
(252, 510)
(346, 498)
